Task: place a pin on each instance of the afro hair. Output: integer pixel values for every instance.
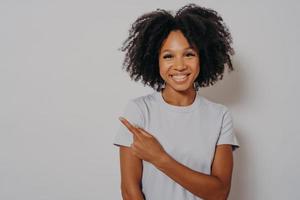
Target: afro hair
(203, 28)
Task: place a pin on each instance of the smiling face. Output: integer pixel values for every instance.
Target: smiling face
(178, 63)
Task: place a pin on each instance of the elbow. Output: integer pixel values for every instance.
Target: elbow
(126, 195)
(129, 193)
(215, 196)
(130, 196)
(218, 194)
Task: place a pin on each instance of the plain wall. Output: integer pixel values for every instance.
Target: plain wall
(62, 90)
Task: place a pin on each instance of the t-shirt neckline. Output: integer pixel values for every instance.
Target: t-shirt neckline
(171, 107)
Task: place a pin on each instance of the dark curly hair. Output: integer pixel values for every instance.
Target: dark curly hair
(203, 28)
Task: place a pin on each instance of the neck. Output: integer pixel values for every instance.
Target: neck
(179, 98)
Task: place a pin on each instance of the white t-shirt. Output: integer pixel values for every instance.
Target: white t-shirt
(188, 133)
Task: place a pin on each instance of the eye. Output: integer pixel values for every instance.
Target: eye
(190, 54)
(167, 56)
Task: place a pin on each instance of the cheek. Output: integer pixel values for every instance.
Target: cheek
(196, 66)
(163, 69)
(192, 62)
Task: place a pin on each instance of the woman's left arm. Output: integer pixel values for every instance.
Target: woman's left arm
(211, 187)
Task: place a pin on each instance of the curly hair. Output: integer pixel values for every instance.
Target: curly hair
(203, 28)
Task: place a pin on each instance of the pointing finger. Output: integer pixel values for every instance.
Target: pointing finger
(144, 132)
(133, 129)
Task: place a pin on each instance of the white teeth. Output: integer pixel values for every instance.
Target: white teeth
(179, 77)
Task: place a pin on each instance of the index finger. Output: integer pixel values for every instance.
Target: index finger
(131, 128)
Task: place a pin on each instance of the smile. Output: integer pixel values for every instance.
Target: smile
(180, 78)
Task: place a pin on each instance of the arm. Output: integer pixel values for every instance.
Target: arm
(211, 187)
(131, 173)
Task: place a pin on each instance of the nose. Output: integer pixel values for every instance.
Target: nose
(179, 64)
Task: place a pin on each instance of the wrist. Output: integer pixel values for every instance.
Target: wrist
(162, 160)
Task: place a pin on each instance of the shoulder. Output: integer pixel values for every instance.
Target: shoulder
(140, 107)
(213, 107)
(144, 100)
(142, 104)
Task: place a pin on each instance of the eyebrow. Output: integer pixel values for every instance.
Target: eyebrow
(183, 49)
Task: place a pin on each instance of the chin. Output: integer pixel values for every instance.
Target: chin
(181, 88)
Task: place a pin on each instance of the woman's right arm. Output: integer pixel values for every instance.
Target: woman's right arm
(131, 175)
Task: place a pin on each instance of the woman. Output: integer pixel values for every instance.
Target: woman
(174, 143)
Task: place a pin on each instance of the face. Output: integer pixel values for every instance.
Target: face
(178, 62)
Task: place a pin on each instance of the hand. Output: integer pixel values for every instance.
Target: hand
(145, 145)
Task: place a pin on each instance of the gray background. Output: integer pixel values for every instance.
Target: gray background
(62, 90)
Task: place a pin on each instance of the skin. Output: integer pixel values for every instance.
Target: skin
(177, 56)
(177, 59)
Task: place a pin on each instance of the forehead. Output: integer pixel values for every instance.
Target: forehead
(175, 41)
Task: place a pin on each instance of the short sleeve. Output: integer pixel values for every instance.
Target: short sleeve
(227, 135)
(133, 114)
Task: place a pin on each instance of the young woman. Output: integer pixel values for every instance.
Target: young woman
(174, 143)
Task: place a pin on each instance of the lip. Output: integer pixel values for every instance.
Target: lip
(180, 81)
